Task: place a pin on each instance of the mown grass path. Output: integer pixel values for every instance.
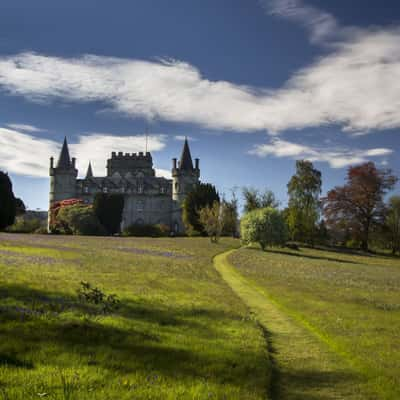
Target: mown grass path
(304, 367)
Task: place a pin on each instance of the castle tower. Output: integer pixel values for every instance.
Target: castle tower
(63, 176)
(184, 175)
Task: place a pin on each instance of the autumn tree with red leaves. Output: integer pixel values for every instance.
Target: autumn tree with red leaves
(359, 205)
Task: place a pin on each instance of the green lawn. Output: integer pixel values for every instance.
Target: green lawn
(350, 303)
(180, 331)
(273, 325)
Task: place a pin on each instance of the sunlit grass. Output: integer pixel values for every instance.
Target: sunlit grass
(180, 332)
(350, 302)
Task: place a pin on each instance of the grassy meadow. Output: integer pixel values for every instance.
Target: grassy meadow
(351, 303)
(179, 332)
(281, 324)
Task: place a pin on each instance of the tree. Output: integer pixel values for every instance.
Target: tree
(265, 226)
(392, 223)
(202, 195)
(108, 208)
(7, 202)
(210, 219)
(79, 219)
(303, 212)
(19, 206)
(358, 206)
(229, 216)
(253, 199)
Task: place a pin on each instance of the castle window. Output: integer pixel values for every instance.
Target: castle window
(140, 189)
(162, 189)
(122, 190)
(86, 189)
(105, 190)
(139, 206)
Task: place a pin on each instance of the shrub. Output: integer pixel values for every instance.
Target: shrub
(25, 225)
(159, 230)
(93, 295)
(265, 226)
(78, 219)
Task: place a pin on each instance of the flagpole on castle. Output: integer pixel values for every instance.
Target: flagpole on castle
(147, 135)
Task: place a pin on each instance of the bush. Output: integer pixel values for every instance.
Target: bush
(25, 225)
(78, 219)
(41, 231)
(265, 226)
(159, 230)
(93, 295)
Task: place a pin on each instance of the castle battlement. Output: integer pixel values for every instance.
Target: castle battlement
(130, 156)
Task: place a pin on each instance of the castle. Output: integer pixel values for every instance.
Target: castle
(149, 199)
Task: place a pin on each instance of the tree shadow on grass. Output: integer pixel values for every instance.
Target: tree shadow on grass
(316, 384)
(309, 256)
(119, 347)
(35, 302)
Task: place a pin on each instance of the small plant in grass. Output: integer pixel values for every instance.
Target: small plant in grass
(93, 295)
(69, 385)
(4, 394)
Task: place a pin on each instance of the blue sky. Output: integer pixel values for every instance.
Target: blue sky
(254, 84)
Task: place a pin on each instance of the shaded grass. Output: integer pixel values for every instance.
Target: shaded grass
(350, 302)
(179, 333)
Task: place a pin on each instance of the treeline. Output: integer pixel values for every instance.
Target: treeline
(353, 215)
(357, 214)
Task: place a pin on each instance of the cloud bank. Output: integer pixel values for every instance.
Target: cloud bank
(319, 23)
(353, 86)
(335, 157)
(24, 154)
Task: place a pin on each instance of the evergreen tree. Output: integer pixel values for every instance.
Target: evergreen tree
(108, 207)
(7, 202)
(203, 195)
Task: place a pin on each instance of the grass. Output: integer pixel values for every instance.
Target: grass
(348, 303)
(281, 324)
(179, 333)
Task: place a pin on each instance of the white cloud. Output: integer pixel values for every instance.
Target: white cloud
(335, 157)
(97, 148)
(24, 154)
(320, 24)
(183, 137)
(165, 173)
(353, 86)
(24, 127)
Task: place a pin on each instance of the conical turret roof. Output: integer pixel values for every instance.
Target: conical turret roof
(186, 162)
(89, 172)
(64, 160)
